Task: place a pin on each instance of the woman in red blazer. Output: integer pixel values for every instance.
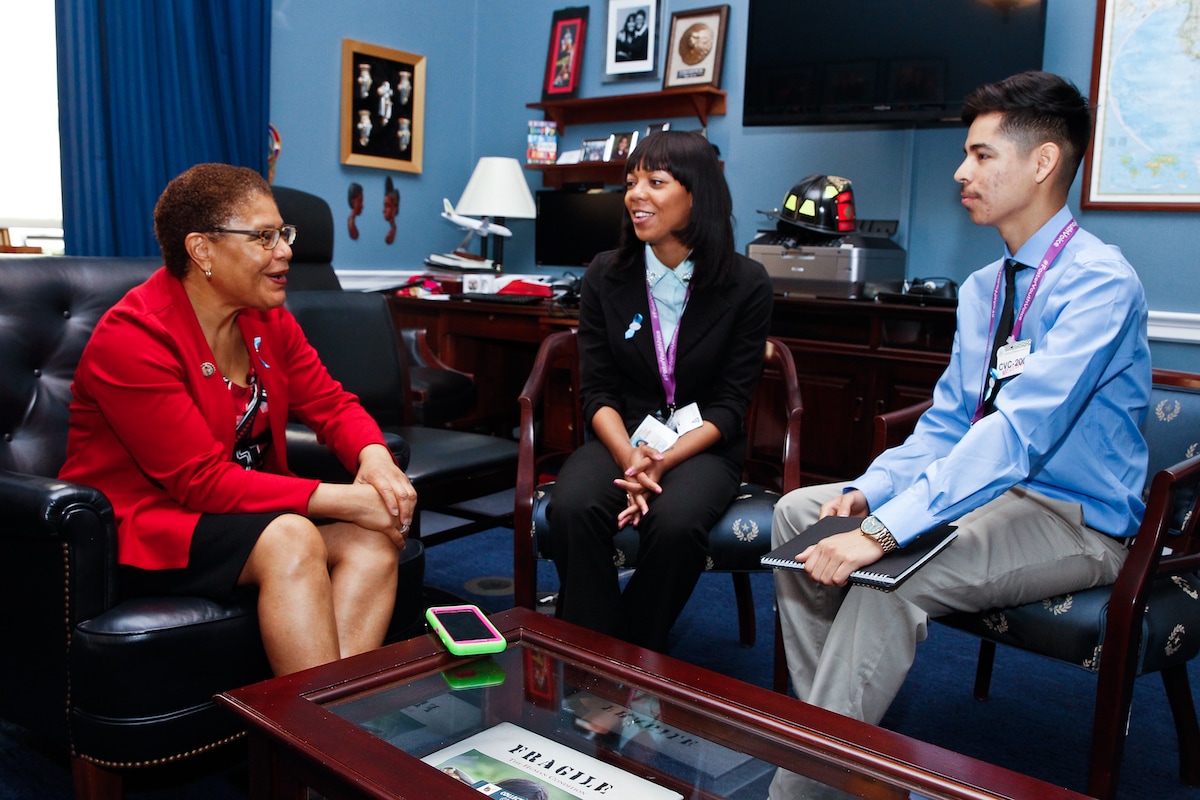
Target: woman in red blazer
(179, 407)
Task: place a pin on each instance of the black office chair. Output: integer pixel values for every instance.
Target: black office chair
(355, 337)
(440, 394)
(311, 267)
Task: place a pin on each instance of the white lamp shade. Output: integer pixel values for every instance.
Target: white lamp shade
(497, 189)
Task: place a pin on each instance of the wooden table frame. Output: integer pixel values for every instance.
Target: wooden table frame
(295, 742)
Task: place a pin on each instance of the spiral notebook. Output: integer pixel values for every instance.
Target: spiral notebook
(887, 573)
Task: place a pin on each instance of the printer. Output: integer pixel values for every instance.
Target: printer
(820, 248)
(852, 266)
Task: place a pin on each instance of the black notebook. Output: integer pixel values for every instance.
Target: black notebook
(887, 573)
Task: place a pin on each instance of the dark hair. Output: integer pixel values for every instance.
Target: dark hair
(205, 197)
(1037, 107)
(526, 787)
(692, 160)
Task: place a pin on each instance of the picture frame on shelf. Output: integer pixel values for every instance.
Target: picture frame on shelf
(631, 47)
(696, 47)
(593, 149)
(619, 145)
(657, 127)
(564, 57)
(383, 107)
(1140, 148)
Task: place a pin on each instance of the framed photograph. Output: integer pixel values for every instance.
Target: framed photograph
(564, 58)
(620, 145)
(655, 127)
(631, 50)
(593, 149)
(695, 47)
(383, 107)
(1146, 143)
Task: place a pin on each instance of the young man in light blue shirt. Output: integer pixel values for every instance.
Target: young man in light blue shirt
(1033, 451)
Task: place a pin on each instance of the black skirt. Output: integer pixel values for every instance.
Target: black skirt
(220, 546)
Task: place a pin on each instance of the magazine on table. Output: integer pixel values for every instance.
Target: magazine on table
(506, 759)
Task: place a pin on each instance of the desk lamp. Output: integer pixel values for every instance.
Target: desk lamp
(497, 189)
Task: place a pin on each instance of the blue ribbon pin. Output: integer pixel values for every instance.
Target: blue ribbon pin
(634, 326)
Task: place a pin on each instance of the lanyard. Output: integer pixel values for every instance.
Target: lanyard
(665, 353)
(1056, 247)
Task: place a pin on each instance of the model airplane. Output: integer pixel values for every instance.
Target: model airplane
(481, 227)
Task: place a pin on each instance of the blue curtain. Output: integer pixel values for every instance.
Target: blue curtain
(146, 89)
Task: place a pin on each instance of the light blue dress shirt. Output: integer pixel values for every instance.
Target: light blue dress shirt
(1068, 427)
(669, 289)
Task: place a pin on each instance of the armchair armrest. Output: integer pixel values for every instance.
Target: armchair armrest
(58, 560)
(893, 427)
(311, 459)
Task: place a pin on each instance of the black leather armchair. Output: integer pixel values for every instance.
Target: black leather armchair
(354, 333)
(118, 683)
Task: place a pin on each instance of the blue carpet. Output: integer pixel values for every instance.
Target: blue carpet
(1038, 720)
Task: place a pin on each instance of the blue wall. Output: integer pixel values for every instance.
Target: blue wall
(485, 62)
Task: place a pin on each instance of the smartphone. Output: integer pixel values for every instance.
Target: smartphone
(465, 630)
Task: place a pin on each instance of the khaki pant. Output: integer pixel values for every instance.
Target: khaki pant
(850, 648)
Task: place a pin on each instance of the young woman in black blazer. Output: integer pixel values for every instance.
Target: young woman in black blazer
(672, 329)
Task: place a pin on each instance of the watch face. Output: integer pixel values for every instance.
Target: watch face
(871, 525)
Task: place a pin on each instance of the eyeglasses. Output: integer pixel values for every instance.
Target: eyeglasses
(268, 237)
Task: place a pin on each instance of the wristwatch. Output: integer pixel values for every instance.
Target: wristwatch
(872, 528)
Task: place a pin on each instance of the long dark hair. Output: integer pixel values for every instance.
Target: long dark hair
(692, 160)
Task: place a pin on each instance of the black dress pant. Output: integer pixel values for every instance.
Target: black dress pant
(672, 552)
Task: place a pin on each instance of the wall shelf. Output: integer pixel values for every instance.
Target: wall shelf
(685, 101)
(700, 102)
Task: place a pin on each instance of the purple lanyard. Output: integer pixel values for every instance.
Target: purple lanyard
(665, 352)
(1052, 252)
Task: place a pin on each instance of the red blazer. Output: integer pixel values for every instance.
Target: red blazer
(155, 434)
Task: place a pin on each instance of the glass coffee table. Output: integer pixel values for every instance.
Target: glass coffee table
(579, 715)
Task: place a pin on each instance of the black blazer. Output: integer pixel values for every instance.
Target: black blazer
(722, 337)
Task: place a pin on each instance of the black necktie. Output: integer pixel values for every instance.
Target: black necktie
(1003, 328)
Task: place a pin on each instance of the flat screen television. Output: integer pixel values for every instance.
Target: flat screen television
(896, 63)
(572, 227)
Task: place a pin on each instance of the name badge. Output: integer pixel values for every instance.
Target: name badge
(655, 434)
(1010, 358)
(685, 419)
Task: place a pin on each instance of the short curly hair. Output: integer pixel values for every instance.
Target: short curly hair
(203, 198)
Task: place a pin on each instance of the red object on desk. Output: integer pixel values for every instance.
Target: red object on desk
(526, 288)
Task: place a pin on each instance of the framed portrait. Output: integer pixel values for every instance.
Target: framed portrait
(1146, 143)
(619, 145)
(593, 149)
(695, 47)
(564, 57)
(631, 50)
(383, 107)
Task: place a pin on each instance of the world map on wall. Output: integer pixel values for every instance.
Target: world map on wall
(1148, 118)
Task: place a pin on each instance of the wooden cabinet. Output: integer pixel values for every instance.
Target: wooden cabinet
(854, 360)
(686, 101)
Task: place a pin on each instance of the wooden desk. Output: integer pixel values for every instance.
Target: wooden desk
(854, 359)
(496, 343)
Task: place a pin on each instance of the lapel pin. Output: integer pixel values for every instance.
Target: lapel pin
(634, 326)
(208, 369)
